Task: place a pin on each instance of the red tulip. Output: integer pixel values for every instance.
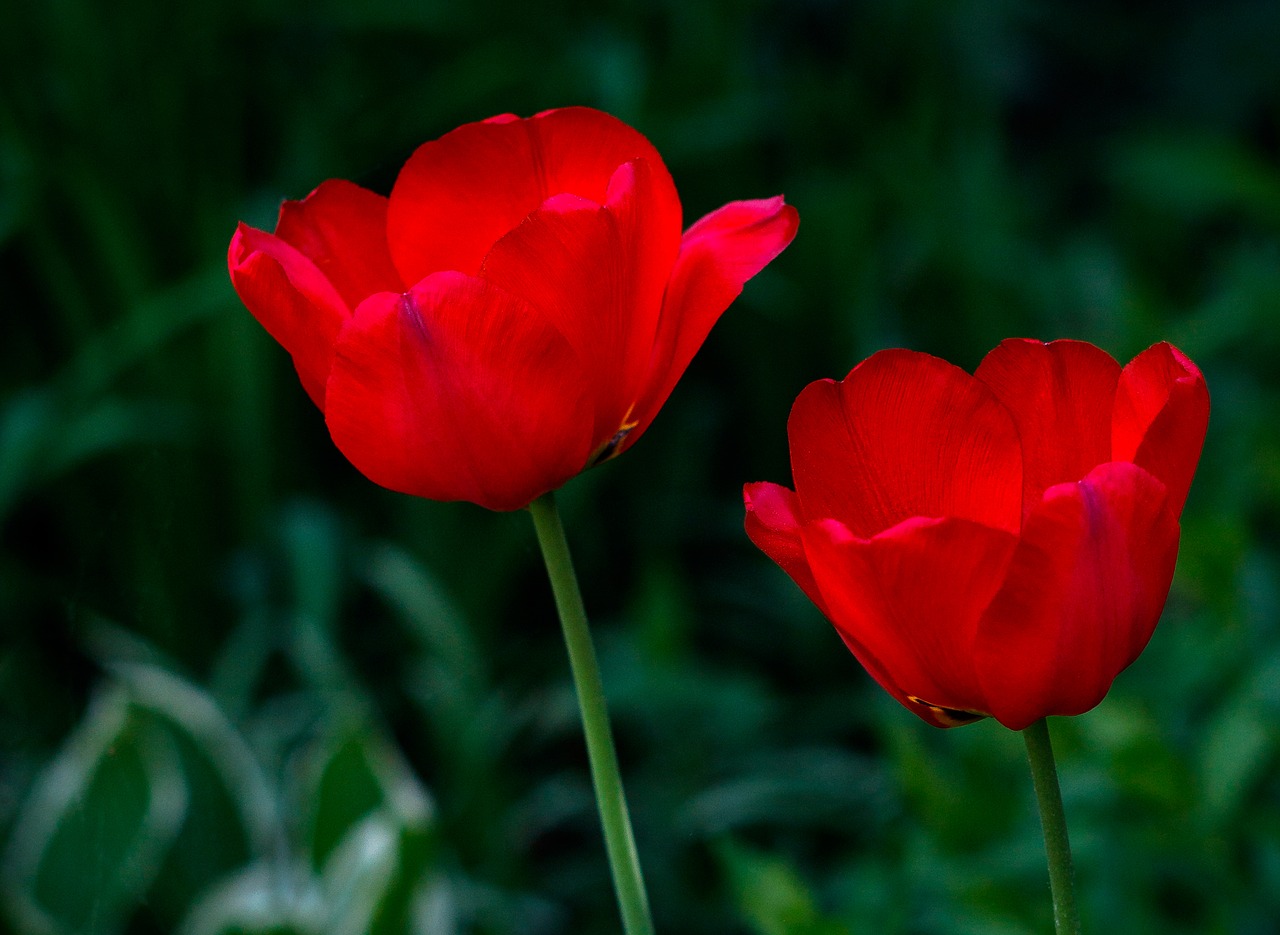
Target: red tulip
(999, 544)
(517, 310)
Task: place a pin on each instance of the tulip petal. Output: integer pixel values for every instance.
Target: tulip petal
(292, 299)
(1060, 395)
(773, 524)
(905, 434)
(908, 603)
(457, 390)
(717, 256)
(457, 195)
(597, 272)
(342, 229)
(1161, 414)
(1083, 594)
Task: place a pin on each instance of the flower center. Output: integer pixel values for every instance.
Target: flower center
(950, 717)
(610, 448)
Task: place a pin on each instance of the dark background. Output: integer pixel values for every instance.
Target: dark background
(246, 691)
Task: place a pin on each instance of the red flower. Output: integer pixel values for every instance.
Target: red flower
(999, 544)
(518, 309)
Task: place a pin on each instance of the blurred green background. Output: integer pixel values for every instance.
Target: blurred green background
(246, 691)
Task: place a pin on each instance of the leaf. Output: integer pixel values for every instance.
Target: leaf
(770, 895)
(371, 835)
(428, 611)
(43, 436)
(359, 872)
(25, 423)
(1239, 745)
(262, 899)
(812, 788)
(98, 823)
(345, 791)
(190, 708)
(1197, 175)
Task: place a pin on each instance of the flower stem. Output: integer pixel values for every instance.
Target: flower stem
(620, 844)
(1044, 776)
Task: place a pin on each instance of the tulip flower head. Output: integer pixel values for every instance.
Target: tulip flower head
(998, 544)
(517, 310)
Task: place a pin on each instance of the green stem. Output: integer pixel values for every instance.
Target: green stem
(620, 844)
(1044, 776)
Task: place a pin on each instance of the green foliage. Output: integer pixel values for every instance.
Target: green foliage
(771, 897)
(242, 690)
